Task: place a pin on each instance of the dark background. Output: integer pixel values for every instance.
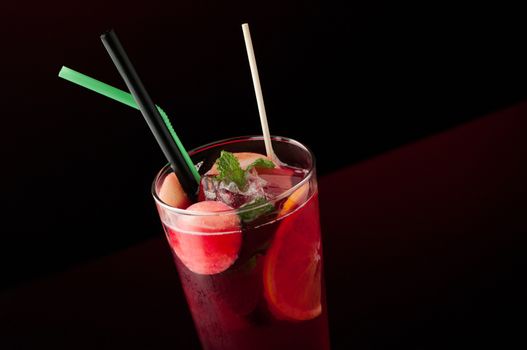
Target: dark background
(349, 81)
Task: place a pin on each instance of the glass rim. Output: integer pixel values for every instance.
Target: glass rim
(167, 169)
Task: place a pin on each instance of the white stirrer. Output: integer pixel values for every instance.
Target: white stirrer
(258, 92)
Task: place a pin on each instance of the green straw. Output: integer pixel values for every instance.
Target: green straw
(127, 99)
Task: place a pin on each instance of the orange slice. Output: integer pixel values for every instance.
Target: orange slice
(292, 267)
(295, 199)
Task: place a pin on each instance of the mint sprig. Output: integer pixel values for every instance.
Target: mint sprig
(229, 170)
(261, 163)
(261, 206)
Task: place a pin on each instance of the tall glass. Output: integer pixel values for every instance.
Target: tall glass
(264, 284)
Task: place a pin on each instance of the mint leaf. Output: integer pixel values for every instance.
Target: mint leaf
(261, 163)
(229, 169)
(261, 206)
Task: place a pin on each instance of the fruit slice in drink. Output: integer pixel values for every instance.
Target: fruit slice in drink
(295, 199)
(172, 193)
(292, 267)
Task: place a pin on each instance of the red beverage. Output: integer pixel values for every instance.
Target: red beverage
(250, 261)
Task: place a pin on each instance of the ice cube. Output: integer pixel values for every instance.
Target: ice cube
(230, 194)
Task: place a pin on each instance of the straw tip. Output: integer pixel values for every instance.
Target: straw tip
(106, 33)
(62, 70)
(245, 25)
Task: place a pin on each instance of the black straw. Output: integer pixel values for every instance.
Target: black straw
(150, 113)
